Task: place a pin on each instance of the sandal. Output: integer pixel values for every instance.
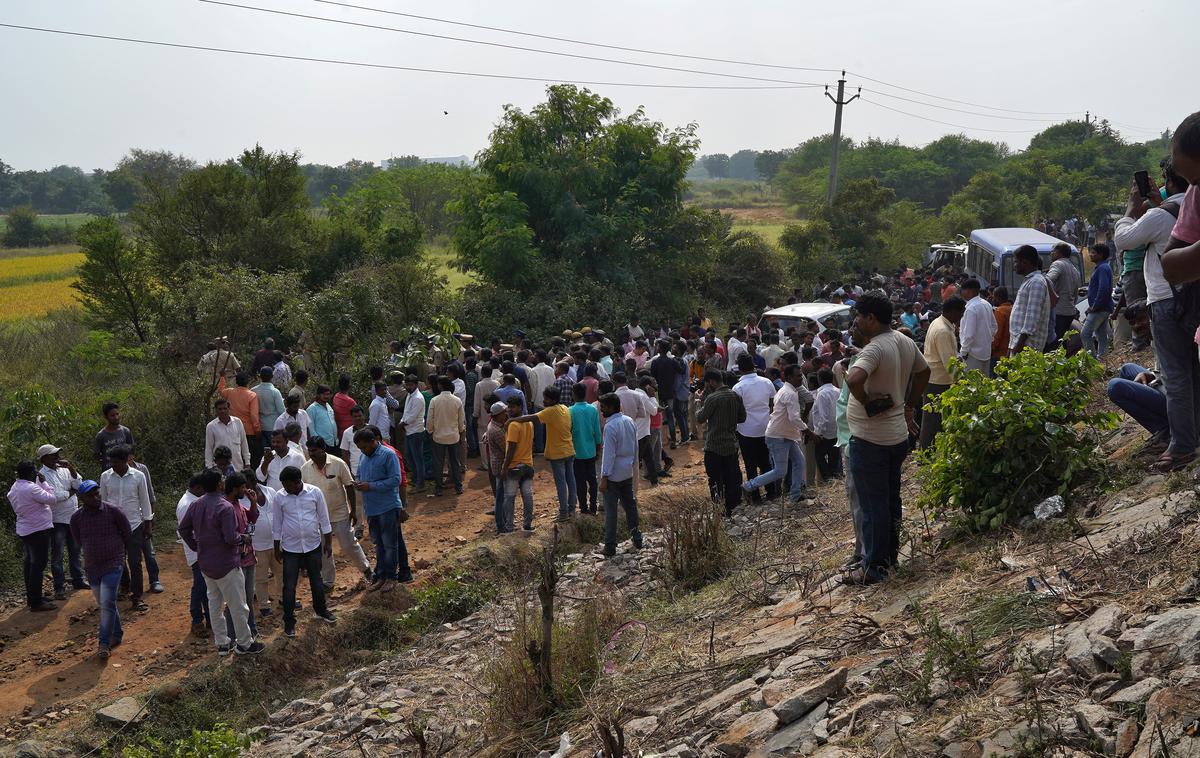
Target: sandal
(858, 577)
(1168, 462)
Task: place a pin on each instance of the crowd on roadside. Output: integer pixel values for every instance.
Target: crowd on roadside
(289, 466)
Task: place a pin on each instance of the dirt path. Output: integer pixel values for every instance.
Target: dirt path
(49, 674)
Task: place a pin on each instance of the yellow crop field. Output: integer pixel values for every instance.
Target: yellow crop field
(38, 267)
(32, 285)
(36, 298)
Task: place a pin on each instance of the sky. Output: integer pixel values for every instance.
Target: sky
(86, 102)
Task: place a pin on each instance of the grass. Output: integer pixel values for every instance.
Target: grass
(769, 231)
(9, 253)
(72, 220)
(441, 254)
(38, 268)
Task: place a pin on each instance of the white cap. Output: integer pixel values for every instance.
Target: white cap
(498, 408)
(45, 450)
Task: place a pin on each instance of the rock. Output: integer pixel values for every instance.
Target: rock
(1170, 711)
(747, 731)
(953, 728)
(1127, 736)
(1171, 639)
(1136, 694)
(1049, 508)
(798, 738)
(967, 749)
(1094, 721)
(772, 639)
(864, 709)
(639, 729)
(777, 690)
(726, 697)
(799, 662)
(124, 711)
(805, 699)
(1088, 643)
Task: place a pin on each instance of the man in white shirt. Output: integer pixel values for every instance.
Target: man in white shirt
(823, 423)
(412, 433)
(350, 451)
(275, 459)
(976, 330)
(638, 406)
(784, 434)
(636, 332)
(379, 413)
(758, 394)
(226, 430)
(124, 487)
(541, 376)
(293, 414)
(330, 474)
(62, 477)
(302, 534)
(486, 386)
(772, 352)
(198, 603)
(736, 349)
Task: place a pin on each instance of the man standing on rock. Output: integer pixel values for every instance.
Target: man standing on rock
(210, 528)
(102, 531)
(617, 469)
(886, 384)
(722, 411)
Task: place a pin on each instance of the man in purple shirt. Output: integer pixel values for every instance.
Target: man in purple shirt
(102, 531)
(210, 528)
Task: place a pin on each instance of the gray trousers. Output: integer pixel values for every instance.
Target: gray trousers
(344, 534)
(983, 366)
(855, 506)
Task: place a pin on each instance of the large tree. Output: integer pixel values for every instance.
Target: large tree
(572, 182)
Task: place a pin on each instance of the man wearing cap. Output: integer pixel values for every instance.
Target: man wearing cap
(62, 477)
(102, 531)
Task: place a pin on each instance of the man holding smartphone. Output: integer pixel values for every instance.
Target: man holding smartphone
(886, 385)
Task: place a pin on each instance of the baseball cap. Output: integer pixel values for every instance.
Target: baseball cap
(498, 408)
(47, 450)
(87, 486)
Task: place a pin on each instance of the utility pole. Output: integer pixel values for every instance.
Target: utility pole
(837, 132)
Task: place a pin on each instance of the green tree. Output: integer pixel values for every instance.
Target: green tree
(717, 165)
(767, 163)
(253, 212)
(742, 165)
(908, 232)
(142, 173)
(23, 227)
(115, 282)
(573, 182)
(751, 274)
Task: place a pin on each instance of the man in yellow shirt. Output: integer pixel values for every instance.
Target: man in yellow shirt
(941, 344)
(560, 447)
(518, 466)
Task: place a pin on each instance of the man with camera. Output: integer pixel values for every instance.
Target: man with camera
(886, 385)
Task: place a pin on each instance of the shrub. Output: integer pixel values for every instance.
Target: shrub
(1010, 441)
(696, 549)
(218, 742)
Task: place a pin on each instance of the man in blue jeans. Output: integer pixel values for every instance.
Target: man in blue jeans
(1139, 392)
(102, 532)
(618, 466)
(1095, 332)
(785, 435)
(379, 481)
(886, 384)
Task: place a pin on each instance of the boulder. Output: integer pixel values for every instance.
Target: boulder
(1127, 737)
(1171, 639)
(749, 730)
(127, 710)
(1137, 693)
(772, 639)
(726, 697)
(799, 662)
(1170, 712)
(803, 700)
(1089, 643)
(798, 738)
(1095, 721)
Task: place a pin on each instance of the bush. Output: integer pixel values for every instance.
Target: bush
(696, 549)
(218, 742)
(1010, 441)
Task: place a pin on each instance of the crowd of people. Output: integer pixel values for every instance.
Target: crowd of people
(289, 466)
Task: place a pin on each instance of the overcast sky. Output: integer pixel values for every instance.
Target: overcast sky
(85, 102)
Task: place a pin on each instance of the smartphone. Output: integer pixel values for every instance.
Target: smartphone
(1142, 179)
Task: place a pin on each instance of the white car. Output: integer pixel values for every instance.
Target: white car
(802, 314)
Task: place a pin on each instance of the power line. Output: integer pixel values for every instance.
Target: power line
(569, 40)
(958, 110)
(947, 123)
(364, 64)
(486, 43)
(964, 102)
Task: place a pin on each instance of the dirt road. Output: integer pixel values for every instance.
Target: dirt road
(49, 674)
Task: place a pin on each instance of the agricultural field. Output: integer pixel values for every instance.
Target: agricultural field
(35, 281)
(57, 220)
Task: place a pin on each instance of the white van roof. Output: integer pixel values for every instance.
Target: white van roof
(1008, 239)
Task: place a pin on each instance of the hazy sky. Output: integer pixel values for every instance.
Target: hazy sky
(85, 102)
